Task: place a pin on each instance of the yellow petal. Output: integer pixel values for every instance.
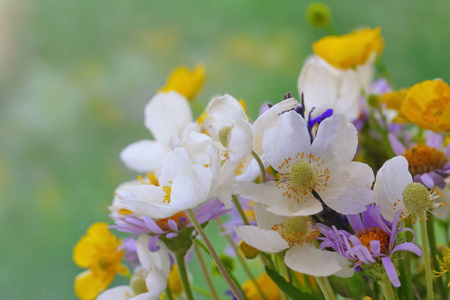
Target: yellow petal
(270, 289)
(87, 286)
(185, 82)
(349, 50)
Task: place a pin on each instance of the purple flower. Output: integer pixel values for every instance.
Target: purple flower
(375, 240)
(167, 227)
(428, 162)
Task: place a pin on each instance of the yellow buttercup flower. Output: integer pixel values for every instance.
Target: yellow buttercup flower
(97, 251)
(427, 105)
(186, 82)
(349, 50)
(174, 282)
(269, 288)
(394, 100)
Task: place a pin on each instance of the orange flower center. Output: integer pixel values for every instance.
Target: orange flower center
(423, 159)
(180, 218)
(374, 234)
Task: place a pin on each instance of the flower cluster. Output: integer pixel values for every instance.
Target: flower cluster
(294, 188)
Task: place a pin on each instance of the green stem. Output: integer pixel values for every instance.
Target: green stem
(329, 288)
(433, 252)
(242, 261)
(426, 260)
(323, 288)
(239, 209)
(205, 272)
(386, 286)
(261, 166)
(179, 257)
(216, 258)
(169, 293)
(408, 275)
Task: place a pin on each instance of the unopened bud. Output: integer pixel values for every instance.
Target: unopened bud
(318, 15)
(249, 251)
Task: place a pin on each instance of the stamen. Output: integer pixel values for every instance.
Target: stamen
(224, 134)
(297, 230)
(374, 234)
(180, 218)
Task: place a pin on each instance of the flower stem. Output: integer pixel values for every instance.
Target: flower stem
(216, 258)
(323, 288)
(329, 288)
(433, 252)
(426, 260)
(179, 257)
(169, 293)
(261, 166)
(386, 286)
(205, 272)
(239, 209)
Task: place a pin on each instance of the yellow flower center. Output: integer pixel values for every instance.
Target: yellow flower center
(423, 159)
(297, 230)
(224, 134)
(180, 218)
(374, 234)
(434, 110)
(416, 198)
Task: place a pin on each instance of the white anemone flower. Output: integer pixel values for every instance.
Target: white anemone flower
(185, 181)
(168, 116)
(395, 190)
(275, 234)
(325, 87)
(149, 279)
(307, 171)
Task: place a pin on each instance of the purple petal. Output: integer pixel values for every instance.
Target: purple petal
(438, 180)
(434, 140)
(427, 180)
(171, 235)
(390, 270)
(375, 248)
(152, 243)
(355, 222)
(447, 150)
(152, 225)
(396, 145)
(172, 225)
(408, 247)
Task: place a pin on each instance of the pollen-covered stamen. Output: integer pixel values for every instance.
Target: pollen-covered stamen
(224, 134)
(417, 199)
(374, 234)
(179, 218)
(302, 175)
(167, 189)
(297, 230)
(423, 159)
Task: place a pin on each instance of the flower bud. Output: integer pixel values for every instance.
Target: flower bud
(249, 251)
(318, 15)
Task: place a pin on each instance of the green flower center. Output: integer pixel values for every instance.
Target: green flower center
(416, 198)
(224, 133)
(302, 175)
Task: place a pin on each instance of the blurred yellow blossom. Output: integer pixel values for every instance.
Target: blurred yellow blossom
(349, 50)
(186, 82)
(394, 100)
(427, 105)
(269, 288)
(97, 251)
(174, 282)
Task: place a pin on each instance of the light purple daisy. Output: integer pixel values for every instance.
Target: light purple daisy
(375, 241)
(167, 227)
(428, 162)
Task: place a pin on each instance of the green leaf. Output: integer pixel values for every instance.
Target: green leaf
(288, 288)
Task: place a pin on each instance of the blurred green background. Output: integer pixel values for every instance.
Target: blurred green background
(75, 76)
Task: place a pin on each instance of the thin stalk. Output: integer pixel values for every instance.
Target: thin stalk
(426, 260)
(408, 275)
(323, 288)
(216, 258)
(433, 252)
(169, 293)
(242, 261)
(179, 257)
(239, 209)
(386, 286)
(261, 166)
(329, 288)
(205, 272)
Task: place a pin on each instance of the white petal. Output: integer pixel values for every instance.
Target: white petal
(309, 260)
(221, 112)
(291, 208)
(289, 138)
(159, 259)
(269, 241)
(117, 293)
(166, 115)
(265, 219)
(176, 163)
(349, 188)
(144, 156)
(266, 192)
(336, 141)
(240, 142)
(390, 182)
(269, 119)
(156, 283)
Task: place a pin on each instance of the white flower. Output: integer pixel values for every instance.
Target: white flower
(395, 190)
(325, 87)
(168, 116)
(324, 168)
(149, 280)
(275, 234)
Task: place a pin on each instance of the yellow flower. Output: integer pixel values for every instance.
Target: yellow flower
(394, 100)
(174, 282)
(186, 82)
(444, 265)
(269, 288)
(427, 105)
(349, 50)
(97, 251)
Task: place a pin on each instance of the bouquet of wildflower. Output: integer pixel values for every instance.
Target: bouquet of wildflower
(293, 192)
